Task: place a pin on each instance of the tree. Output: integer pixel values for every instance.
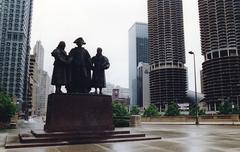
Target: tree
(236, 110)
(151, 111)
(193, 111)
(225, 109)
(119, 109)
(7, 107)
(120, 115)
(135, 110)
(173, 110)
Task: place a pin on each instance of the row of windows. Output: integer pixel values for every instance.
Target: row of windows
(19, 64)
(17, 16)
(13, 1)
(6, 59)
(13, 44)
(14, 37)
(12, 70)
(10, 24)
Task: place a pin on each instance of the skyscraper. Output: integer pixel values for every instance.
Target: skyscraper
(220, 37)
(15, 30)
(42, 93)
(32, 85)
(38, 51)
(41, 80)
(143, 88)
(168, 82)
(138, 52)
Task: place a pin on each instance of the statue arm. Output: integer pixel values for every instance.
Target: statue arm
(106, 63)
(89, 60)
(70, 57)
(59, 56)
(63, 59)
(54, 53)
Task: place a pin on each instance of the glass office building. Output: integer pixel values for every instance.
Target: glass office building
(138, 52)
(15, 27)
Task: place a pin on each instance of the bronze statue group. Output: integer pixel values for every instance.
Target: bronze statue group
(74, 70)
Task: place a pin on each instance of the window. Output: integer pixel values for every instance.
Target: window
(209, 56)
(215, 55)
(15, 37)
(224, 53)
(232, 52)
(9, 36)
(20, 37)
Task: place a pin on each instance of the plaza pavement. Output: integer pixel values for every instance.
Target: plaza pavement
(176, 138)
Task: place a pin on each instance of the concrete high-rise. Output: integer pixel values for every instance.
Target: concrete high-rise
(143, 89)
(38, 51)
(15, 30)
(138, 52)
(220, 37)
(32, 96)
(43, 91)
(41, 80)
(168, 82)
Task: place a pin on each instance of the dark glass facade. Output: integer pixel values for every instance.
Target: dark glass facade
(138, 52)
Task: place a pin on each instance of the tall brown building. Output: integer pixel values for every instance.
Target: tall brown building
(220, 37)
(168, 82)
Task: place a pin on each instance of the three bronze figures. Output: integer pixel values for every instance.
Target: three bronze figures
(74, 70)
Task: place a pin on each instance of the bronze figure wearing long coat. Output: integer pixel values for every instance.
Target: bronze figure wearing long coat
(59, 76)
(100, 64)
(80, 69)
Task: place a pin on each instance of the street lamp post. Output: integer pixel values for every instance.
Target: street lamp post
(195, 80)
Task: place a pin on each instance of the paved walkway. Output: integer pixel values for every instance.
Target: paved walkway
(191, 123)
(176, 138)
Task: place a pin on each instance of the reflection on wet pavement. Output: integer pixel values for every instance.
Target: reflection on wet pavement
(176, 138)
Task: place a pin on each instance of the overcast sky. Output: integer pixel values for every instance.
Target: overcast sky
(105, 23)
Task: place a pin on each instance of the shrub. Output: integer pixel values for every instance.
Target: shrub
(135, 110)
(121, 122)
(225, 109)
(120, 115)
(236, 111)
(193, 111)
(173, 110)
(7, 107)
(119, 109)
(151, 111)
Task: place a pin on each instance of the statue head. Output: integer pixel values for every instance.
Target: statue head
(61, 45)
(99, 50)
(79, 41)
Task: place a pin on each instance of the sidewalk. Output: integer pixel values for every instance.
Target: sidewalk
(190, 123)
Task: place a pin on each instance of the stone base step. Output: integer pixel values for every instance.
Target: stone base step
(42, 133)
(14, 142)
(29, 138)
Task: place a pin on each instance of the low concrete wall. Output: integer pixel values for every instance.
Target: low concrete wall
(220, 118)
(135, 120)
(207, 118)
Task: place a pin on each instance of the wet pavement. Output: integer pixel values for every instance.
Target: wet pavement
(175, 138)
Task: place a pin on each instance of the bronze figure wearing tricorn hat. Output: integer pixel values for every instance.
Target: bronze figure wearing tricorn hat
(79, 40)
(79, 69)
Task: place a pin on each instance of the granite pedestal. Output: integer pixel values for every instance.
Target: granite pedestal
(74, 112)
